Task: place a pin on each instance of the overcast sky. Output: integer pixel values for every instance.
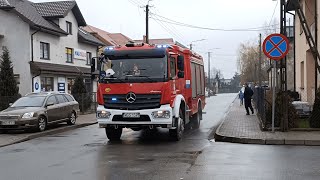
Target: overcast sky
(127, 17)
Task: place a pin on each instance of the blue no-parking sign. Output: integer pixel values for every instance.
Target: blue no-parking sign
(276, 46)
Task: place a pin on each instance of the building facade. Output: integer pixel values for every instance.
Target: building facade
(307, 76)
(47, 45)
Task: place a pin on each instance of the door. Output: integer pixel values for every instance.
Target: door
(63, 107)
(53, 109)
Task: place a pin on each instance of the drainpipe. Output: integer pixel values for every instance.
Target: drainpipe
(294, 52)
(316, 41)
(32, 56)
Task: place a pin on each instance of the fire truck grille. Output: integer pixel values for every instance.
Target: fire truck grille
(142, 101)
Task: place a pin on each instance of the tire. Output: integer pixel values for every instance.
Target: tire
(72, 119)
(113, 134)
(196, 118)
(42, 124)
(177, 134)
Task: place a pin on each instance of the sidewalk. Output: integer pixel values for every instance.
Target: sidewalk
(13, 137)
(240, 128)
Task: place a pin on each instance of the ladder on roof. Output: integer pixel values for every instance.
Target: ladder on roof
(308, 34)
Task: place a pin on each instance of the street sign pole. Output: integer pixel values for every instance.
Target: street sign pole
(274, 93)
(275, 47)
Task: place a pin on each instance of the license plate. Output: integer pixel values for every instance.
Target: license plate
(7, 123)
(131, 115)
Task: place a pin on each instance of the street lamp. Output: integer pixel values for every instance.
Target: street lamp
(196, 41)
(209, 67)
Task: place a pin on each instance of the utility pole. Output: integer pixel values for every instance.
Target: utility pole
(260, 60)
(209, 76)
(147, 23)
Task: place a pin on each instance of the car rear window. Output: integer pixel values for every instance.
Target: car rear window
(69, 97)
(61, 99)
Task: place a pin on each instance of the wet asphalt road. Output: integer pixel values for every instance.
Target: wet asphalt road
(86, 154)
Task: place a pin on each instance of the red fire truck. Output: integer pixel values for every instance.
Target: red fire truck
(149, 86)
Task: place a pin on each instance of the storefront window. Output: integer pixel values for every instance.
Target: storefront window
(47, 83)
(88, 85)
(70, 84)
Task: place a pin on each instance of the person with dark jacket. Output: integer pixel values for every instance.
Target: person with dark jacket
(248, 93)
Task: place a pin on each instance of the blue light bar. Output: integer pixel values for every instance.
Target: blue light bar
(114, 99)
(109, 48)
(163, 46)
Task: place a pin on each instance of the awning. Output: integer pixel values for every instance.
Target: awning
(58, 69)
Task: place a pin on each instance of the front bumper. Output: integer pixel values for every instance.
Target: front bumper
(122, 122)
(19, 124)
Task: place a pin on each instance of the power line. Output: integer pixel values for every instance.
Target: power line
(274, 11)
(167, 29)
(170, 21)
(170, 26)
(134, 3)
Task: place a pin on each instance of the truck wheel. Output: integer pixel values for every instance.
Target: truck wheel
(196, 120)
(113, 134)
(177, 133)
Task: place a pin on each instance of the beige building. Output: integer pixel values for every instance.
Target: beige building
(306, 73)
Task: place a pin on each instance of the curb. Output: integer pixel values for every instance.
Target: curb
(222, 138)
(49, 132)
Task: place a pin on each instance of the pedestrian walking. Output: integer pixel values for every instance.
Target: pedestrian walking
(241, 97)
(248, 93)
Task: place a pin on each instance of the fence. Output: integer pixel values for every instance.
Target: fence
(262, 106)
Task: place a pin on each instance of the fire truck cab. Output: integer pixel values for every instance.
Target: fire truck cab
(149, 86)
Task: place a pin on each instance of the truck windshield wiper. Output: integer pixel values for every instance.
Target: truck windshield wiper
(113, 78)
(147, 77)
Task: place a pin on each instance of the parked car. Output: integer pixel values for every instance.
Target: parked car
(38, 110)
(304, 109)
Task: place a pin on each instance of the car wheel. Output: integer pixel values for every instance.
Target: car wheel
(196, 119)
(177, 133)
(113, 134)
(72, 119)
(42, 124)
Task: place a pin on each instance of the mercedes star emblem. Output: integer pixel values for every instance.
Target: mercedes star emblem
(131, 97)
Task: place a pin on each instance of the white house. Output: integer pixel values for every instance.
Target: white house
(47, 46)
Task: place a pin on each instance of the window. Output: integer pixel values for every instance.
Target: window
(198, 79)
(17, 78)
(70, 84)
(88, 85)
(44, 50)
(202, 80)
(69, 52)
(193, 80)
(69, 27)
(61, 99)
(89, 56)
(70, 99)
(52, 100)
(173, 67)
(47, 83)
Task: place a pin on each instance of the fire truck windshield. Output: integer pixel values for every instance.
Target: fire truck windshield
(134, 70)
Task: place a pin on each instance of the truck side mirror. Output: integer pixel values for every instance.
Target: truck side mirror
(180, 63)
(94, 73)
(181, 74)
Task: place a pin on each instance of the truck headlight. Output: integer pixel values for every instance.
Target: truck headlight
(161, 114)
(103, 114)
(28, 115)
